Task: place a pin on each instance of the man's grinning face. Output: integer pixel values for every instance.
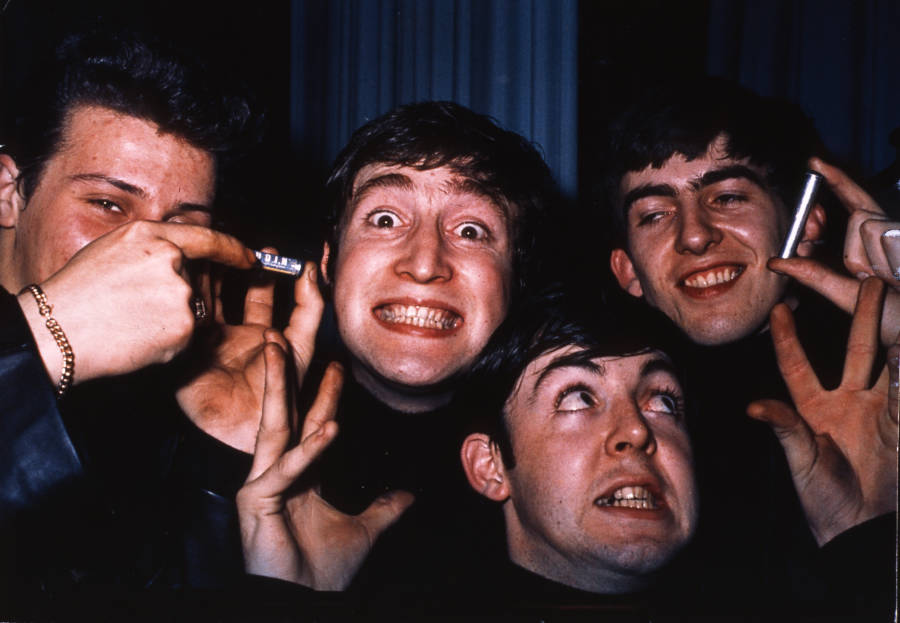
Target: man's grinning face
(423, 273)
(699, 235)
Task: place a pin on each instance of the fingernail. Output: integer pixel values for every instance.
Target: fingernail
(891, 233)
(862, 276)
(312, 272)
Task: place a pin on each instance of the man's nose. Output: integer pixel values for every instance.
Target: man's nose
(630, 432)
(424, 258)
(696, 231)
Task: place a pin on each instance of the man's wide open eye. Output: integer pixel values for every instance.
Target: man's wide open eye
(575, 398)
(471, 231)
(383, 219)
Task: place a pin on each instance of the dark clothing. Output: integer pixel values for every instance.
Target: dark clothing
(38, 462)
(92, 517)
(420, 564)
(525, 596)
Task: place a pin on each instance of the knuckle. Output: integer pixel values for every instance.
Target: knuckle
(872, 226)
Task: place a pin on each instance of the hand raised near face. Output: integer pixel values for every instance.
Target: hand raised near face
(123, 300)
(225, 398)
(287, 530)
(841, 445)
(869, 250)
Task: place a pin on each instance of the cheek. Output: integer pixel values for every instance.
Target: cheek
(555, 463)
(348, 272)
(53, 241)
(648, 255)
(763, 234)
(676, 461)
(490, 280)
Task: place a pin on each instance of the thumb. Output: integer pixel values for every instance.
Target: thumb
(837, 288)
(384, 511)
(793, 433)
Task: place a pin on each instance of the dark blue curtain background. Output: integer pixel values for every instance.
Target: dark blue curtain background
(515, 60)
(520, 62)
(838, 59)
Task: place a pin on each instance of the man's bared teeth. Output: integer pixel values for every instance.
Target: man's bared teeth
(633, 496)
(712, 278)
(418, 316)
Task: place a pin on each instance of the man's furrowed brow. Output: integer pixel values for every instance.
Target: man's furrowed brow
(580, 360)
(646, 190)
(388, 180)
(122, 185)
(733, 171)
(658, 364)
(468, 186)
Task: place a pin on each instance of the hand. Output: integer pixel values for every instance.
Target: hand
(867, 252)
(124, 299)
(841, 445)
(289, 531)
(225, 398)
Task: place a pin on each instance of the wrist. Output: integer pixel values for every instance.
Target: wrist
(49, 338)
(46, 345)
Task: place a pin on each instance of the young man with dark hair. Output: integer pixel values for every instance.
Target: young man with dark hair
(580, 434)
(107, 186)
(450, 204)
(700, 194)
(437, 219)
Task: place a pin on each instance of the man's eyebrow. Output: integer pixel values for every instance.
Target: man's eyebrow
(388, 180)
(122, 185)
(730, 172)
(572, 360)
(137, 191)
(646, 190)
(658, 364)
(468, 186)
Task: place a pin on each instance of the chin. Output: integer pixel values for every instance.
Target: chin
(642, 558)
(721, 332)
(414, 374)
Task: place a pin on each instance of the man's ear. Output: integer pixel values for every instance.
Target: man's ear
(623, 269)
(813, 232)
(323, 264)
(11, 200)
(484, 467)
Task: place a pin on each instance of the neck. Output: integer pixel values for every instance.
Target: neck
(401, 398)
(581, 574)
(8, 280)
(585, 570)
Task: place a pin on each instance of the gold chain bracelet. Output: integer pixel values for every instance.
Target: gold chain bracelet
(45, 309)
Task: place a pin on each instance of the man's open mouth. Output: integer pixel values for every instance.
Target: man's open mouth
(631, 496)
(418, 316)
(718, 275)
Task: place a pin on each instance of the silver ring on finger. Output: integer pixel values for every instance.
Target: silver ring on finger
(198, 305)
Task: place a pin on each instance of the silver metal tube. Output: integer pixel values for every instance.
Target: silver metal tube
(807, 199)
